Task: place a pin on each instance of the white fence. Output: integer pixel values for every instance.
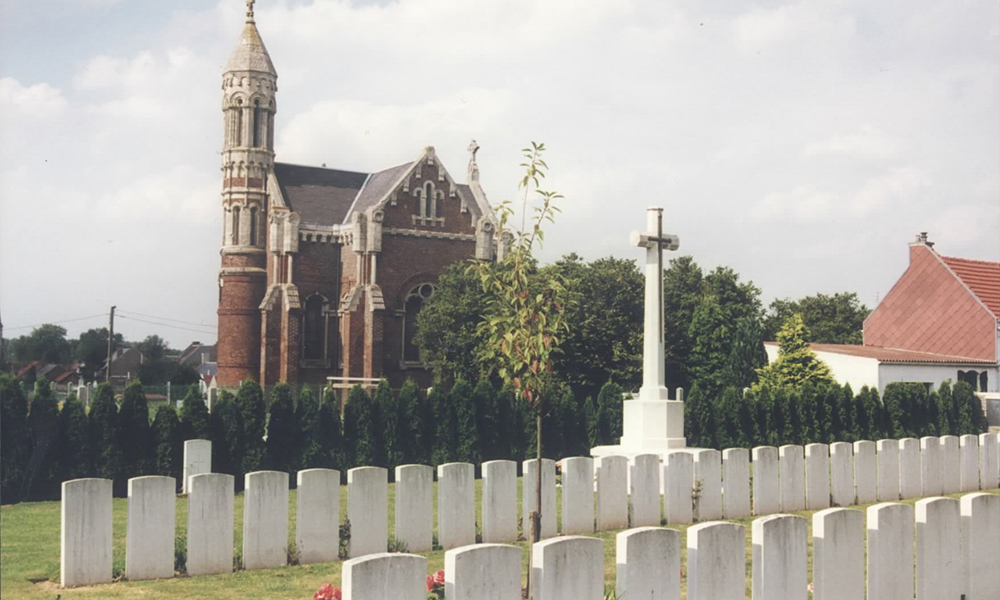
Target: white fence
(717, 484)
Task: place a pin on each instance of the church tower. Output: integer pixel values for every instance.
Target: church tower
(249, 84)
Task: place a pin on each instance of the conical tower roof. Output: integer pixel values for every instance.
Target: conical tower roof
(250, 53)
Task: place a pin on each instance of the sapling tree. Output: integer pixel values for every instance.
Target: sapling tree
(524, 321)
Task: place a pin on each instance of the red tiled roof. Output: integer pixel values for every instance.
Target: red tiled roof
(982, 277)
(893, 355)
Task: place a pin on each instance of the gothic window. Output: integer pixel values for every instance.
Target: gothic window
(255, 125)
(238, 131)
(234, 234)
(414, 302)
(314, 329)
(429, 208)
(253, 225)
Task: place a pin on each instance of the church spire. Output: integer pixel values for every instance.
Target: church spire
(250, 53)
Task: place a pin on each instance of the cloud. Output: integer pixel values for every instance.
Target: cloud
(38, 100)
(868, 143)
(813, 121)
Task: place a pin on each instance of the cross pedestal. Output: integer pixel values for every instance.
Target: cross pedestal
(653, 423)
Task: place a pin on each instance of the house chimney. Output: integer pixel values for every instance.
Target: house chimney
(922, 239)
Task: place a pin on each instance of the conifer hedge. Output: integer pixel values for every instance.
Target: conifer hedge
(469, 423)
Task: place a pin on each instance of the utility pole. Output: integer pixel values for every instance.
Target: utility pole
(111, 345)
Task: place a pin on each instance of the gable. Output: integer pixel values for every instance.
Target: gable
(930, 310)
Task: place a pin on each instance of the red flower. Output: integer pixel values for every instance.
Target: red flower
(435, 582)
(327, 592)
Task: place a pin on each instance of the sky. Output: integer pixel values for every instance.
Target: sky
(804, 144)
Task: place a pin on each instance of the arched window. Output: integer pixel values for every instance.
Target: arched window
(314, 330)
(253, 225)
(414, 302)
(235, 232)
(255, 124)
(238, 131)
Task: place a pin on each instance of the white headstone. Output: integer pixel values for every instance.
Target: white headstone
(500, 501)
(989, 460)
(839, 554)
(414, 511)
(384, 576)
(817, 476)
(85, 545)
(939, 556)
(578, 495)
(483, 572)
(736, 483)
(842, 474)
(568, 568)
(678, 478)
(865, 472)
(149, 547)
(456, 505)
(197, 460)
(980, 531)
(265, 520)
(970, 462)
(951, 465)
(317, 515)
(367, 510)
(648, 564)
(210, 524)
(766, 477)
(887, 453)
(528, 498)
(779, 557)
(890, 555)
(793, 492)
(708, 471)
(612, 493)
(910, 480)
(716, 562)
(644, 492)
(930, 466)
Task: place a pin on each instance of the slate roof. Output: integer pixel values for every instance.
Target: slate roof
(893, 355)
(980, 276)
(379, 184)
(321, 196)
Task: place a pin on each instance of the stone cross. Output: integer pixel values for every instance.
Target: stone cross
(653, 351)
(250, 8)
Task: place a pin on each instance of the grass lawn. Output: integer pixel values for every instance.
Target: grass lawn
(29, 558)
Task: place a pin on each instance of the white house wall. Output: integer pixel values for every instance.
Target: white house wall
(858, 371)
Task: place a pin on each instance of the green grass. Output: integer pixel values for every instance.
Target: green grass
(29, 557)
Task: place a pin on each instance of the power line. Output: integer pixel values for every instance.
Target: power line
(158, 318)
(166, 325)
(56, 322)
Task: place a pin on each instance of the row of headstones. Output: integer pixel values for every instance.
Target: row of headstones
(863, 472)
(957, 556)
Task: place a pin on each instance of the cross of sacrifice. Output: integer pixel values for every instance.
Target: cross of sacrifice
(655, 241)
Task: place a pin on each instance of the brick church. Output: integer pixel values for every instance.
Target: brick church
(323, 270)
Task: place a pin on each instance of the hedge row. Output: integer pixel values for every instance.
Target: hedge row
(827, 412)
(43, 446)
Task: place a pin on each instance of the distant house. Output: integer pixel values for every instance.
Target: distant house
(202, 357)
(940, 321)
(124, 366)
(59, 374)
